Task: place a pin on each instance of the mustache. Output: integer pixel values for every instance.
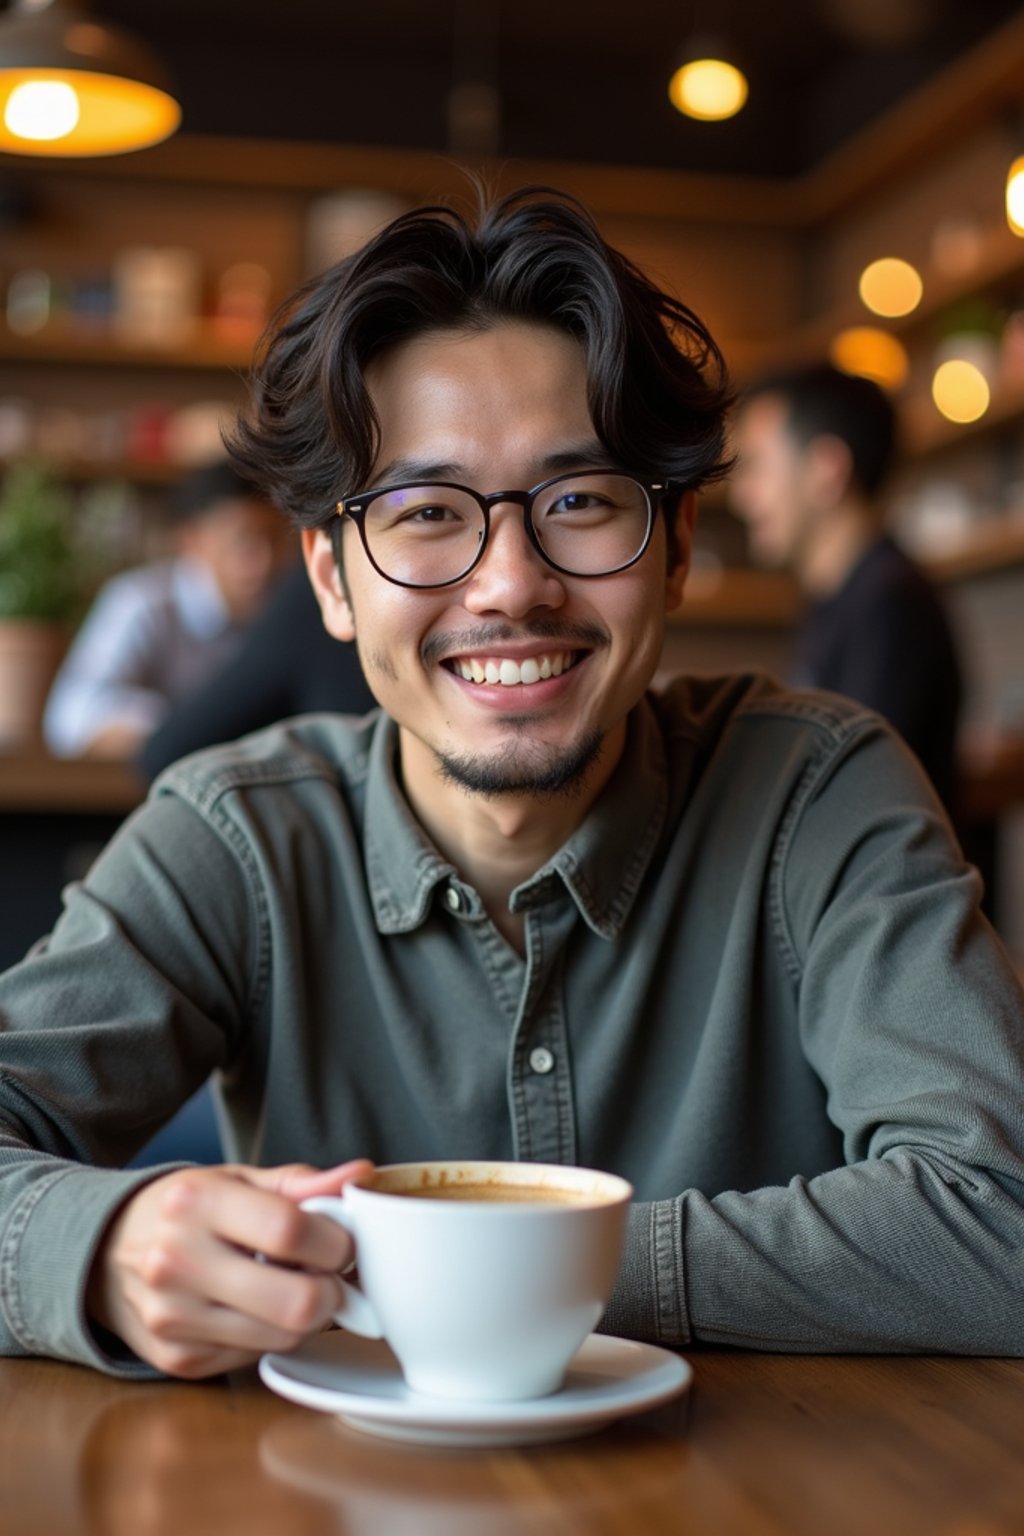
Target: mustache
(475, 641)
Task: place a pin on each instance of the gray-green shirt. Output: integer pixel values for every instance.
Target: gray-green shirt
(756, 984)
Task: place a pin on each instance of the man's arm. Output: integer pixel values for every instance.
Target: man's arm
(138, 995)
(912, 1017)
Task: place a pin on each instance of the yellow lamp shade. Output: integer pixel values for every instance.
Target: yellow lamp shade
(81, 113)
(71, 87)
(890, 287)
(960, 390)
(708, 89)
(871, 353)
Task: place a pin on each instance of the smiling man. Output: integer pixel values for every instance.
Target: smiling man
(719, 940)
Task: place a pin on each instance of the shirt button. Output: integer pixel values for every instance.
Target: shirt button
(541, 1059)
(453, 898)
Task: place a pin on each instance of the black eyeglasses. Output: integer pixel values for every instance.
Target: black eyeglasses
(590, 523)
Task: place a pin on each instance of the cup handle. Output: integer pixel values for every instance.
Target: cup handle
(355, 1313)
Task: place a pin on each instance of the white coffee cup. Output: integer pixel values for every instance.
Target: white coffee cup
(485, 1278)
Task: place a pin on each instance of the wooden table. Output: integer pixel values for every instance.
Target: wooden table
(763, 1446)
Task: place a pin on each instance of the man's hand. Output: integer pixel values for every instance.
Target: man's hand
(205, 1269)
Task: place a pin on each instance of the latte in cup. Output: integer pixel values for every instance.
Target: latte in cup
(501, 1194)
(485, 1278)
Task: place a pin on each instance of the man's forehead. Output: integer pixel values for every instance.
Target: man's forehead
(585, 453)
(455, 404)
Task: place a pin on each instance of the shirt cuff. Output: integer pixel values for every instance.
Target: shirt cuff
(48, 1247)
(649, 1300)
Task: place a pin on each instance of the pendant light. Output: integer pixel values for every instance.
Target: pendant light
(1015, 196)
(706, 85)
(71, 86)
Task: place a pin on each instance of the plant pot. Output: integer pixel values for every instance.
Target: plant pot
(30, 653)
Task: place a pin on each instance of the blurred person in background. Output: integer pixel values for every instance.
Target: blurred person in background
(157, 632)
(287, 664)
(814, 447)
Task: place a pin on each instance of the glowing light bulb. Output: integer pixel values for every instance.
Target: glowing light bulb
(42, 110)
(708, 89)
(872, 354)
(960, 390)
(1015, 196)
(890, 286)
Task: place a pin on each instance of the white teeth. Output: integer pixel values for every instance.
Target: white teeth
(509, 673)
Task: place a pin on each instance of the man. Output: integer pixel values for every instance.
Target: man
(719, 941)
(155, 633)
(814, 447)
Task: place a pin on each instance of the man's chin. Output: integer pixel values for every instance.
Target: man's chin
(523, 768)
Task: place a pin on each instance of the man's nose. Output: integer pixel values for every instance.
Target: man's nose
(512, 576)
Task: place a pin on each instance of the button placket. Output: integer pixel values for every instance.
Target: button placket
(540, 1082)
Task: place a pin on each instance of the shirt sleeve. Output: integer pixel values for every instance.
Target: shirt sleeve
(104, 1032)
(103, 679)
(912, 1016)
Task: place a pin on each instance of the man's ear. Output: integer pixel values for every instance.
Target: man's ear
(335, 609)
(681, 544)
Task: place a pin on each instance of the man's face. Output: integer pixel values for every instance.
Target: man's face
(244, 544)
(497, 410)
(769, 487)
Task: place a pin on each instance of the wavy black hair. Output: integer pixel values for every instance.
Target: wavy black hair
(658, 387)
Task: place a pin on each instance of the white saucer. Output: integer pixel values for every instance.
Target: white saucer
(360, 1381)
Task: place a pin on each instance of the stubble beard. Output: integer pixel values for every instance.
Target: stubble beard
(524, 767)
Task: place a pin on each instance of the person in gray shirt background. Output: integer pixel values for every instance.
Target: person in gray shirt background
(720, 939)
(155, 633)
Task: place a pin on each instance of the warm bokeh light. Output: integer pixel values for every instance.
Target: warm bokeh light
(960, 390)
(42, 109)
(708, 89)
(1015, 196)
(114, 114)
(872, 354)
(890, 287)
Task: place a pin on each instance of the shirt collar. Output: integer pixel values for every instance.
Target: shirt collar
(601, 865)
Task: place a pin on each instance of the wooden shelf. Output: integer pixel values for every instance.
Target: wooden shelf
(927, 432)
(89, 471)
(68, 347)
(999, 267)
(995, 544)
(734, 596)
(33, 781)
(746, 598)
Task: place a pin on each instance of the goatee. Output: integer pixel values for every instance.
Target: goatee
(524, 768)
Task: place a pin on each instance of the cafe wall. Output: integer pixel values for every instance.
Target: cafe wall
(114, 404)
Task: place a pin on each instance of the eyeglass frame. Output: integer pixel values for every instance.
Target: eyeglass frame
(654, 491)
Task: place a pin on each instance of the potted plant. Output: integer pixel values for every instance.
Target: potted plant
(42, 593)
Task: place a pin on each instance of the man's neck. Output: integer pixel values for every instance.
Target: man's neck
(498, 841)
(840, 541)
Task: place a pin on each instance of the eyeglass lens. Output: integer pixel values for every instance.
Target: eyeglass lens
(588, 524)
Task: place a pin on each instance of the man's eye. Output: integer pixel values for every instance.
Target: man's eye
(576, 501)
(432, 515)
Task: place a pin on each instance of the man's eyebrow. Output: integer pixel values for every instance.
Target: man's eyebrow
(585, 455)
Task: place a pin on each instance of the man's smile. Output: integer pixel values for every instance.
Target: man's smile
(506, 672)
